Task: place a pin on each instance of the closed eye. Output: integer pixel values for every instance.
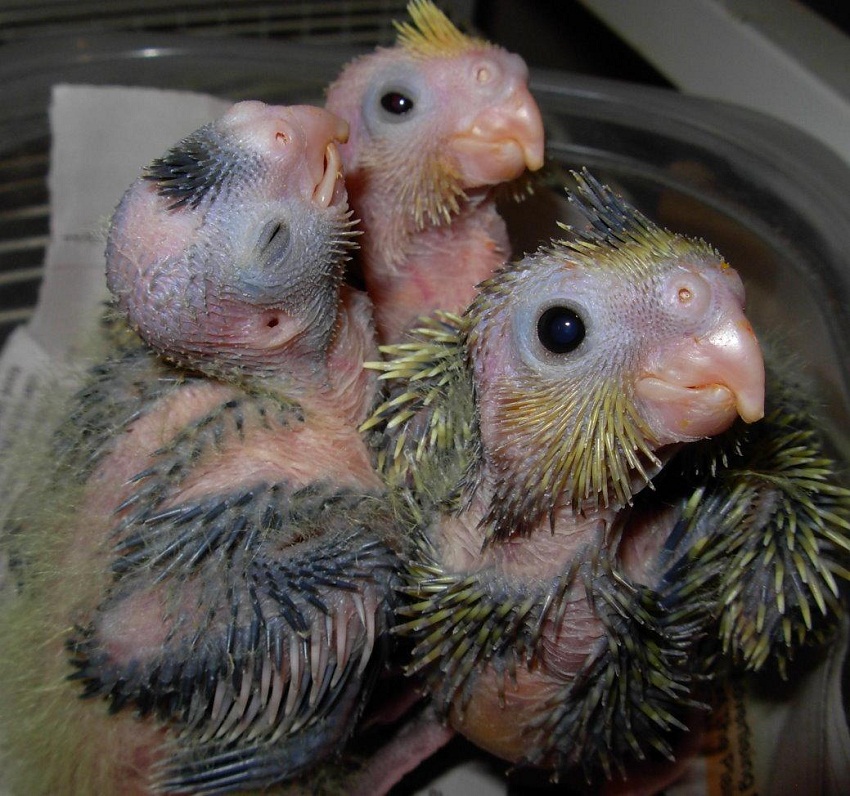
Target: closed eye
(273, 235)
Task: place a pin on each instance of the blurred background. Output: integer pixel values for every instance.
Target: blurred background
(559, 34)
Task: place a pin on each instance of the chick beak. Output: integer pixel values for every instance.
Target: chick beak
(698, 387)
(501, 142)
(325, 188)
(738, 360)
(326, 163)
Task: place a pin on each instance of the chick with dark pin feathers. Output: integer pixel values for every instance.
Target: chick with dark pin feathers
(585, 461)
(219, 576)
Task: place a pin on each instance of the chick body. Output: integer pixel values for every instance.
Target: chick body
(522, 433)
(218, 571)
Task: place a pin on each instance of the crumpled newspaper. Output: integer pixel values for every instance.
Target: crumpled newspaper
(793, 739)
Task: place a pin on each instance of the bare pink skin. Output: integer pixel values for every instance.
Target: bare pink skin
(414, 743)
(444, 266)
(325, 446)
(474, 125)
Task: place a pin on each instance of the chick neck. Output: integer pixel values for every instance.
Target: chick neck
(412, 271)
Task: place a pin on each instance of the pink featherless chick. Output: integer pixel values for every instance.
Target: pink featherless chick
(437, 122)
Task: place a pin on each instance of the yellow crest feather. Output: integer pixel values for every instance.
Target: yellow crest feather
(432, 33)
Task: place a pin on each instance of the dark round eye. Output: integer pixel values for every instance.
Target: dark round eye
(560, 330)
(396, 103)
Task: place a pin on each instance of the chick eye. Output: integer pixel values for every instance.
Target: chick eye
(560, 330)
(396, 103)
(273, 239)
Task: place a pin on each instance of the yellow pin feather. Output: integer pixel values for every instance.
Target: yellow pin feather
(432, 33)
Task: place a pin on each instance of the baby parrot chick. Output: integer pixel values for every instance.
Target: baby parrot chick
(520, 437)
(437, 122)
(216, 570)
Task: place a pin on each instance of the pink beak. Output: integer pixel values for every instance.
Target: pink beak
(698, 387)
(502, 141)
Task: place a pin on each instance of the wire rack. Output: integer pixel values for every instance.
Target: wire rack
(365, 22)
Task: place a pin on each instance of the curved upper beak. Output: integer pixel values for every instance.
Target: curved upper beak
(699, 386)
(502, 141)
(323, 132)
